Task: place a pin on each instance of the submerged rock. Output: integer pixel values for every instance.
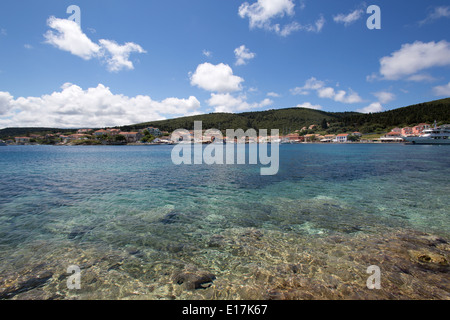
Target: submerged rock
(79, 232)
(217, 241)
(26, 285)
(194, 279)
(431, 258)
(170, 218)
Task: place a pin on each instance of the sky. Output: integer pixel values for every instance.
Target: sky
(79, 64)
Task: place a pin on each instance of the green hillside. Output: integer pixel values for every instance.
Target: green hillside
(428, 112)
(283, 119)
(289, 120)
(16, 132)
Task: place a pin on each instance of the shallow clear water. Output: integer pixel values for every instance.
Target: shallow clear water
(136, 224)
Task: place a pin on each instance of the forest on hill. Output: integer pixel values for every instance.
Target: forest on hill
(288, 120)
(292, 119)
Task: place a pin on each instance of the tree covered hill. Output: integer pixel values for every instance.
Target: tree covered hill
(427, 112)
(288, 120)
(16, 132)
(283, 119)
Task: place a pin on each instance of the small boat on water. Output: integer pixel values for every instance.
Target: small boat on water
(436, 135)
(2, 143)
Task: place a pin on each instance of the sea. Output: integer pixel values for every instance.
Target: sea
(125, 222)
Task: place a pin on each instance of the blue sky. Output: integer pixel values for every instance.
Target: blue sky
(135, 61)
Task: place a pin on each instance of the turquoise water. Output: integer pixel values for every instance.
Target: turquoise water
(136, 224)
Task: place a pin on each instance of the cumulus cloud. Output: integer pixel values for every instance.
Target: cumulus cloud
(225, 102)
(216, 78)
(117, 56)
(262, 13)
(68, 36)
(73, 107)
(372, 108)
(308, 105)
(273, 95)
(439, 91)
(5, 102)
(413, 58)
(384, 96)
(322, 91)
(350, 18)
(243, 55)
(311, 84)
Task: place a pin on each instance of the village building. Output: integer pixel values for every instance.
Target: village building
(417, 130)
(407, 131)
(153, 131)
(294, 137)
(85, 131)
(100, 133)
(22, 140)
(328, 138)
(342, 138)
(131, 136)
(76, 137)
(392, 137)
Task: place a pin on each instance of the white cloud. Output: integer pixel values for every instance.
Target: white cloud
(216, 78)
(243, 55)
(73, 107)
(421, 77)
(413, 58)
(311, 84)
(437, 13)
(69, 37)
(384, 96)
(348, 19)
(442, 90)
(319, 24)
(322, 91)
(5, 102)
(262, 13)
(308, 105)
(225, 102)
(117, 56)
(273, 95)
(295, 26)
(372, 108)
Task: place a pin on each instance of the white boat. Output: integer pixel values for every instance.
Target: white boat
(2, 143)
(436, 135)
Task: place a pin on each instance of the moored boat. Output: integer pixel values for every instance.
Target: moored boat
(436, 135)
